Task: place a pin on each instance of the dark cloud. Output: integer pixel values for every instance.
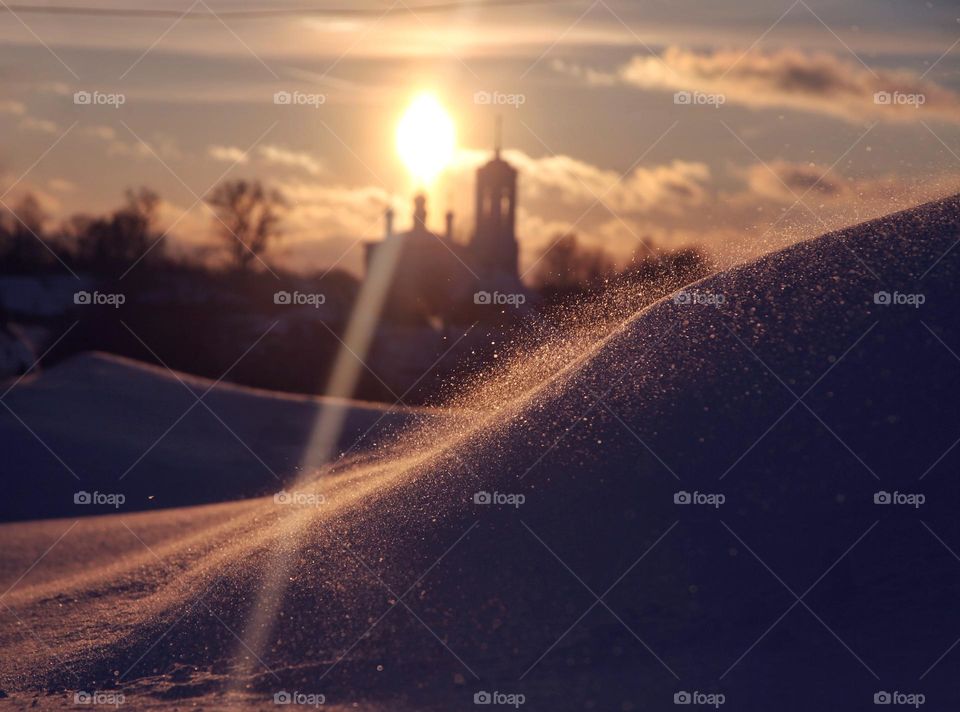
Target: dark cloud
(816, 82)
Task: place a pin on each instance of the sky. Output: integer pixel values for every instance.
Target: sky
(803, 115)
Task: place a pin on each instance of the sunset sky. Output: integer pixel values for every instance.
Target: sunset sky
(593, 127)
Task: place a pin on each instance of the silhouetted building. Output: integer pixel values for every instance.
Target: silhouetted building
(494, 244)
(433, 275)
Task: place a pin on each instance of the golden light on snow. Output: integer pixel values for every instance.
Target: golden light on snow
(426, 138)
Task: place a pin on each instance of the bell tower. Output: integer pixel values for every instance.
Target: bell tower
(494, 241)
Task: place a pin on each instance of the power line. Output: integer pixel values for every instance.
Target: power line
(129, 12)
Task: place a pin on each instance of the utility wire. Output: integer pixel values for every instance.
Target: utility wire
(254, 14)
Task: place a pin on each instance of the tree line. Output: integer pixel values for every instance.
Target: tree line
(247, 218)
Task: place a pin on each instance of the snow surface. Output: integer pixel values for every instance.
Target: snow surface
(797, 399)
(45, 296)
(16, 354)
(105, 423)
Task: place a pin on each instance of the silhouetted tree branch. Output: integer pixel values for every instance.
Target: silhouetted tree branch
(249, 218)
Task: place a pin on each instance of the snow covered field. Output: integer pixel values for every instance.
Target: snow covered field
(716, 502)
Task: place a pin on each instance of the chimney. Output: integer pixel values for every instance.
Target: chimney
(388, 215)
(449, 233)
(420, 213)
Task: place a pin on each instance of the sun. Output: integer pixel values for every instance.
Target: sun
(425, 138)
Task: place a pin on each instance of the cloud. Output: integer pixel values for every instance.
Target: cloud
(788, 78)
(158, 145)
(17, 108)
(128, 150)
(665, 187)
(116, 146)
(56, 88)
(227, 154)
(329, 224)
(271, 155)
(278, 156)
(318, 208)
(164, 146)
(62, 185)
(785, 182)
(105, 133)
(568, 181)
(42, 125)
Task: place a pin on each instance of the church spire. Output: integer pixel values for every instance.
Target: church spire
(497, 135)
(494, 242)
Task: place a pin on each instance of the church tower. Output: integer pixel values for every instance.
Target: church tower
(494, 243)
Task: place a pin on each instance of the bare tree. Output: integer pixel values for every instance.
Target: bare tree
(30, 217)
(249, 217)
(22, 231)
(136, 222)
(118, 240)
(142, 204)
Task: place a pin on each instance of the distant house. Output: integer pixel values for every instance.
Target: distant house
(428, 275)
